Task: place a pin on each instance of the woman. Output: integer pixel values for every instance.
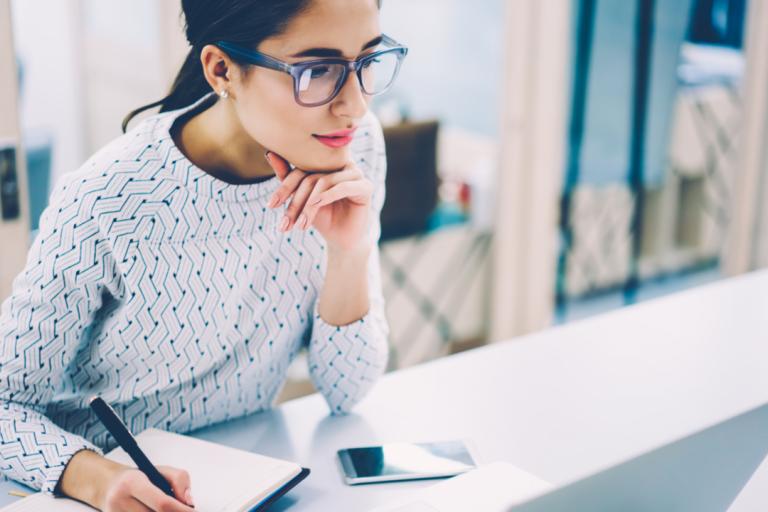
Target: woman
(180, 270)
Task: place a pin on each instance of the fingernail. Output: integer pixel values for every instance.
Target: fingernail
(302, 222)
(284, 224)
(273, 201)
(188, 497)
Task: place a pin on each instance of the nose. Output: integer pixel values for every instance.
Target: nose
(351, 101)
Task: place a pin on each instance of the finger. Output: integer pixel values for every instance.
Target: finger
(309, 213)
(180, 482)
(329, 180)
(358, 192)
(154, 498)
(297, 203)
(287, 188)
(279, 164)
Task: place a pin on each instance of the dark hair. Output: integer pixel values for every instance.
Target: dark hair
(246, 22)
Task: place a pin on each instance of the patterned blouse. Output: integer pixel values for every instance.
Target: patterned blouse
(173, 296)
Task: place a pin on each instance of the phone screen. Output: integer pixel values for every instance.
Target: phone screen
(394, 459)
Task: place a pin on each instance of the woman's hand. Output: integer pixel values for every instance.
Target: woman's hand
(112, 487)
(336, 203)
(130, 489)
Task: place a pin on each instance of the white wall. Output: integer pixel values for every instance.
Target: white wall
(46, 38)
(13, 232)
(533, 135)
(88, 63)
(125, 64)
(747, 236)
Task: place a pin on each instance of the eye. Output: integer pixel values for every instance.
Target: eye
(368, 63)
(319, 71)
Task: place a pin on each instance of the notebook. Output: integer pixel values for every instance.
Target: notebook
(491, 488)
(223, 479)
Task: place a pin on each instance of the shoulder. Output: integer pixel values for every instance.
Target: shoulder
(129, 164)
(369, 136)
(369, 132)
(368, 148)
(133, 154)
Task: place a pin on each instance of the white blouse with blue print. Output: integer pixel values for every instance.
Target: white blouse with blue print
(173, 296)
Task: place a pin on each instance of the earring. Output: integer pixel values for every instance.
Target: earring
(224, 94)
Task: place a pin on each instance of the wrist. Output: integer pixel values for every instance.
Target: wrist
(344, 297)
(356, 252)
(87, 476)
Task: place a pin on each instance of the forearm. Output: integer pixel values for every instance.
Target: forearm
(344, 297)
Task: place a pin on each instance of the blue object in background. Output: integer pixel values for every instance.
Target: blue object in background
(607, 130)
(718, 22)
(446, 214)
(38, 146)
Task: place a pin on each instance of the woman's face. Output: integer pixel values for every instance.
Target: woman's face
(265, 102)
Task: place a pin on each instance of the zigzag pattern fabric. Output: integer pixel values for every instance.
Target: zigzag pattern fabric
(173, 296)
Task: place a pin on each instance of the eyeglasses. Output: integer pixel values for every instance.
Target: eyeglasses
(317, 82)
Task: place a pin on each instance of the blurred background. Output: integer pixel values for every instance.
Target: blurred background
(548, 160)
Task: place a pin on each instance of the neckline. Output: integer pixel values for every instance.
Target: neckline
(195, 178)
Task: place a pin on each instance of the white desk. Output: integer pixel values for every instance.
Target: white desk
(560, 404)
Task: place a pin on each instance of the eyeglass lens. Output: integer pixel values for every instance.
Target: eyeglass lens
(317, 83)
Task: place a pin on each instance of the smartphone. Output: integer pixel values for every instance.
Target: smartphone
(394, 462)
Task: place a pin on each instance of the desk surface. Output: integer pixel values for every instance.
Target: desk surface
(560, 404)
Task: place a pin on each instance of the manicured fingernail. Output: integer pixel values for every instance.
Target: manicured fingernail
(284, 224)
(302, 222)
(188, 498)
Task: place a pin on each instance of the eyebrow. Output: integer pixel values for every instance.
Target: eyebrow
(333, 52)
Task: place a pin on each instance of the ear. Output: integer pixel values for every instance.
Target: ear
(217, 68)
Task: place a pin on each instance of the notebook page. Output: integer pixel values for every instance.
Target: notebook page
(223, 479)
(39, 502)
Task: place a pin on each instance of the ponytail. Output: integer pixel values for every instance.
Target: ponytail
(190, 84)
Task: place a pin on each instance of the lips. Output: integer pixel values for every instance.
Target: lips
(336, 139)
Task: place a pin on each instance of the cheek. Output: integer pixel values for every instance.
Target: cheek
(268, 112)
(271, 116)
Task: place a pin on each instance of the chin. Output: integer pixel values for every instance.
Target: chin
(326, 161)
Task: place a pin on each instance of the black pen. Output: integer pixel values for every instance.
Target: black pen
(127, 442)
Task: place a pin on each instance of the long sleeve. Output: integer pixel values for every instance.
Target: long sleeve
(41, 325)
(345, 361)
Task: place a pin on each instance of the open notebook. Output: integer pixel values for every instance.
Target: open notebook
(223, 479)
